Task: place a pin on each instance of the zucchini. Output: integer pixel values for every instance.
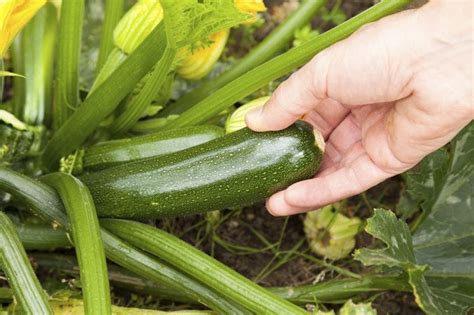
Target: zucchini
(115, 152)
(238, 169)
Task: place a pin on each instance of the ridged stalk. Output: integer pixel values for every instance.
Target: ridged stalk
(118, 277)
(42, 237)
(338, 291)
(66, 97)
(114, 10)
(38, 43)
(138, 103)
(21, 277)
(279, 66)
(105, 98)
(202, 267)
(87, 241)
(269, 47)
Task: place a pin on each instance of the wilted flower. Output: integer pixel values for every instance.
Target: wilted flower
(331, 234)
(14, 14)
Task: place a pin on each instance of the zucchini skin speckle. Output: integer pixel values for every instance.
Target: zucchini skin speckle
(115, 152)
(238, 169)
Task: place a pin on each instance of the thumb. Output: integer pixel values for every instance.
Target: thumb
(371, 66)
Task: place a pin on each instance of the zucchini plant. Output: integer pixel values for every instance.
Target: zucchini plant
(159, 133)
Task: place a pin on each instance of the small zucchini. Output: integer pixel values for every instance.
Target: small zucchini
(114, 152)
(238, 169)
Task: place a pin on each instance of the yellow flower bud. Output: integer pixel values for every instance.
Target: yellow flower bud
(14, 14)
(251, 7)
(236, 120)
(200, 62)
(137, 24)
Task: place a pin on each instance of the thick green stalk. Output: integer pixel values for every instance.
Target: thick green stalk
(138, 103)
(43, 201)
(18, 82)
(269, 47)
(202, 267)
(113, 12)
(115, 58)
(38, 43)
(118, 277)
(42, 237)
(87, 241)
(330, 291)
(14, 262)
(338, 291)
(105, 98)
(279, 66)
(6, 294)
(66, 97)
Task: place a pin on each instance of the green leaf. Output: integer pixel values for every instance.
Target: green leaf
(442, 186)
(398, 253)
(191, 21)
(445, 239)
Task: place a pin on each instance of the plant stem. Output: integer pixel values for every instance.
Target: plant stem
(113, 12)
(87, 240)
(279, 66)
(38, 43)
(336, 291)
(43, 201)
(67, 67)
(330, 291)
(201, 266)
(42, 237)
(6, 294)
(14, 262)
(18, 82)
(105, 98)
(270, 46)
(118, 277)
(138, 103)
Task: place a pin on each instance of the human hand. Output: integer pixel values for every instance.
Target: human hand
(393, 92)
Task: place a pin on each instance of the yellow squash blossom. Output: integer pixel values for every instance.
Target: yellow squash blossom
(250, 6)
(198, 64)
(14, 14)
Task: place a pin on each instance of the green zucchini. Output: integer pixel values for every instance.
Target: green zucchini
(238, 169)
(115, 152)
